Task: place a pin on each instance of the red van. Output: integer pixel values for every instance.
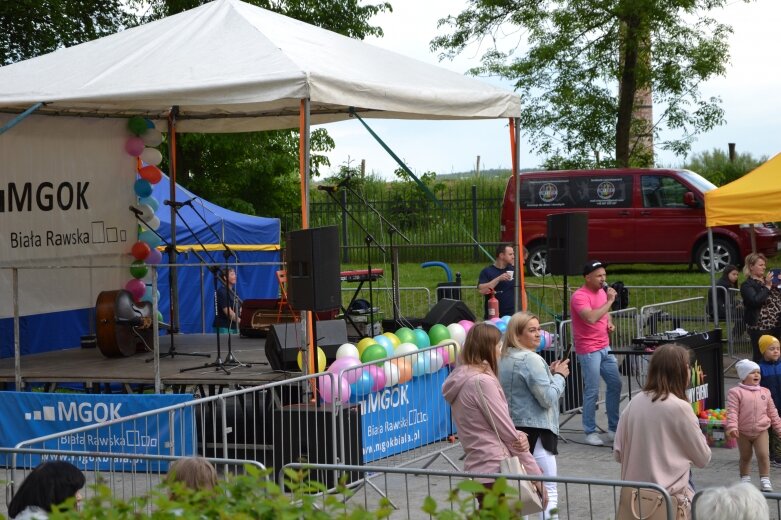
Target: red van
(653, 216)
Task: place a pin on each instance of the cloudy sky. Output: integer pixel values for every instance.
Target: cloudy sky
(750, 92)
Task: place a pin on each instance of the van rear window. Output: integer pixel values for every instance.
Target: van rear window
(577, 192)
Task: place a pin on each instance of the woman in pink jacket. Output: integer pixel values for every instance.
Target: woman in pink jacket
(658, 436)
(750, 412)
(476, 374)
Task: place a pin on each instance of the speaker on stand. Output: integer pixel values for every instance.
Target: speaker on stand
(567, 247)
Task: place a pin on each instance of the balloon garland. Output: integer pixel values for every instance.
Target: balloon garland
(142, 144)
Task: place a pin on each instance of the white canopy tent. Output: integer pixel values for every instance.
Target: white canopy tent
(228, 66)
(232, 67)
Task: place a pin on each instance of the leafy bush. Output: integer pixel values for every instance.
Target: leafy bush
(253, 496)
(715, 165)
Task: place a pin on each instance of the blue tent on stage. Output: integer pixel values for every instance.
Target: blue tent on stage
(203, 230)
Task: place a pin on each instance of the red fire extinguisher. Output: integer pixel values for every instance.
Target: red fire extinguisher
(493, 305)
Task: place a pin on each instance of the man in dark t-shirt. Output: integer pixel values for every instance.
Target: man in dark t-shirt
(498, 277)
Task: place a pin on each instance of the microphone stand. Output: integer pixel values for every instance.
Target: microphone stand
(394, 251)
(172, 352)
(230, 359)
(369, 239)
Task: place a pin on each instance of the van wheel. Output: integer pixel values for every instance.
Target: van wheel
(724, 254)
(537, 262)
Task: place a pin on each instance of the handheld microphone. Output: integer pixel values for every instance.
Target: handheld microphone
(605, 286)
(329, 189)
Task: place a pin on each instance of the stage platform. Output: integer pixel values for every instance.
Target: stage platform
(97, 373)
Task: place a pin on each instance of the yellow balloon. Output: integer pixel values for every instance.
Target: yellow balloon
(394, 338)
(363, 344)
(321, 361)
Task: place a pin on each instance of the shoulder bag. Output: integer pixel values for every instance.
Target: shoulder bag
(511, 465)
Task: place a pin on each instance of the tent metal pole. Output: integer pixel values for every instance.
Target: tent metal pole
(303, 167)
(173, 284)
(520, 294)
(18, 119)
(714, 303)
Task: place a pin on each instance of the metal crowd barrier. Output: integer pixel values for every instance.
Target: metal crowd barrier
(406, 489)
(281, 422)
(123, 484)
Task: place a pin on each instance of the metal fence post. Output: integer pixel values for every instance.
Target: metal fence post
(476, 249)
(345, 236)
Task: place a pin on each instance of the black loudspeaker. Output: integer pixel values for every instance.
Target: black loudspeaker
(283, 341)
(567, 243)
(448, 311)
(304, 433)
(313, 269)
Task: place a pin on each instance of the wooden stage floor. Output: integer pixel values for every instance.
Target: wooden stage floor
(90, 368)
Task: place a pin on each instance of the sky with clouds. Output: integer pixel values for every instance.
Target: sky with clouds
(749, 92)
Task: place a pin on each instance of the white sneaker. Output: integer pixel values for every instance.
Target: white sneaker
(611, 435)
(765, 485)
(745, 478)
(594, 440)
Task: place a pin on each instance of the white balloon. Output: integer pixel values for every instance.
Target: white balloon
(153, 223)
(152, 137)
(347, 350)
(437, 362)
(457, 332)
(391, 374)
(406, 348)
(151, 156)
(146, 211)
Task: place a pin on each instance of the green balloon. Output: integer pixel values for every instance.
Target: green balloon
(438, 333)
(138, 269)
(405, 335)
(137, 125)
(159, 316)
(373, 353)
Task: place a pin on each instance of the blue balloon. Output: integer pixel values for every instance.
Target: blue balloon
(149, 123)
(502, 326)
(143, 188)
(150, 238)
(147, 297)
(422, 365)
(363, 384)
(421, 338)
(150, 201)
(505, 318)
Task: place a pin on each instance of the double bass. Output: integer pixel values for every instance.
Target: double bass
(123, 326)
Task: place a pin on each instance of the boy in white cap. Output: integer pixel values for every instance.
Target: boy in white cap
(750, 412)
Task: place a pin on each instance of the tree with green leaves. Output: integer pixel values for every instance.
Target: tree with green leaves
(255, 173)
(585, 64)
(716, 166)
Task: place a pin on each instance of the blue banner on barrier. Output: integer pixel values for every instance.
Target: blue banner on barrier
(28, 415)
(405, 416)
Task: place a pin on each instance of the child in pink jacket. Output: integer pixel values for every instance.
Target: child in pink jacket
(750, 412)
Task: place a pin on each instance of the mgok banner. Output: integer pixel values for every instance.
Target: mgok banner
(29, 415)
(405, 417)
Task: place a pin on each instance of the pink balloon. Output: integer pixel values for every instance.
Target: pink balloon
(495, 319)
(134, 146)
(445, 355)
(345, 365)
(136, 287)
(155, 257)
(332, 389)
(378, 376)
(466, 324)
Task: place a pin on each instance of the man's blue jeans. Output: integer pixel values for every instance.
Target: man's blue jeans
(592, 366)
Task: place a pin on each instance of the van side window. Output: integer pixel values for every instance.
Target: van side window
(662, 192)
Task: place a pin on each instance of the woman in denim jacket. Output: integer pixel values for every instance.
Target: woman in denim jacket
(533, 390)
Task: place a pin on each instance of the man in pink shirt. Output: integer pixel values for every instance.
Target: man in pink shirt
(591, 327)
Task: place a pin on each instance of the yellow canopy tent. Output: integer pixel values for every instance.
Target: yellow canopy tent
(752, 198)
